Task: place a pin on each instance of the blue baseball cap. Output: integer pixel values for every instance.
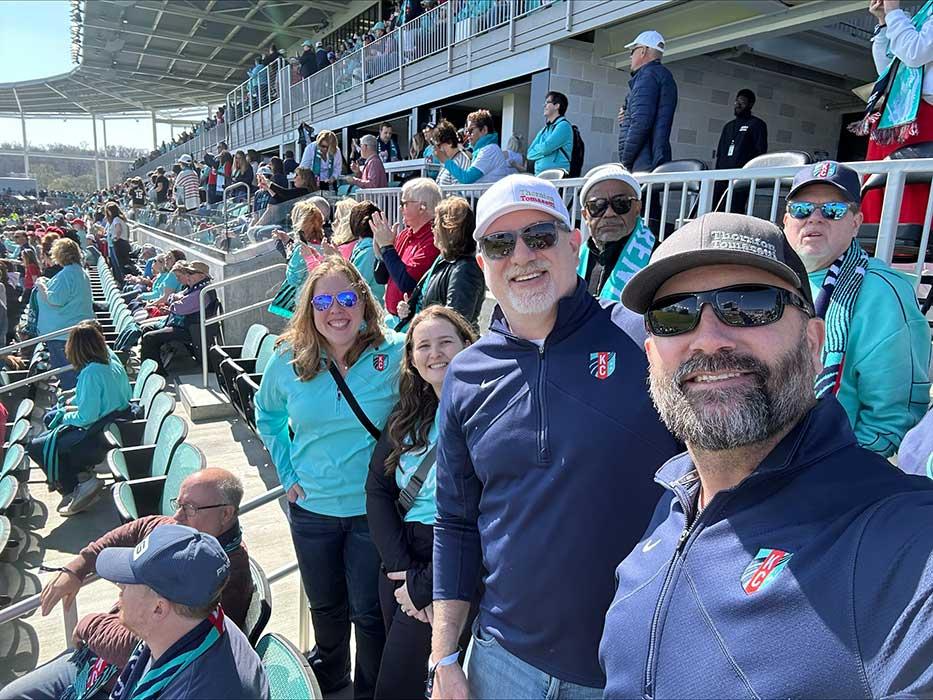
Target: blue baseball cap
(177, 562)
(829, 172)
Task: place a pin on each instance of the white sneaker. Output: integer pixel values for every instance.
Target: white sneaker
(83, 497)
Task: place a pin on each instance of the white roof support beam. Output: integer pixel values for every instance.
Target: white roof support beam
(177, 8)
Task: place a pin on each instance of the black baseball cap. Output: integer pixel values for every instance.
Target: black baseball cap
(718, 239)
(829, 172)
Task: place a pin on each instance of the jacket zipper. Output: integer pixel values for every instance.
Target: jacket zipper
(668, 578)
(544, 455)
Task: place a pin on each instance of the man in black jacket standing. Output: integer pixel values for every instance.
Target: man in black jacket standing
(307, 62)
(742, 139)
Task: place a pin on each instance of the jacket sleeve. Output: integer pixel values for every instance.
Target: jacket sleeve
(640, 115)
(398, 270)
(385, 525)
(107, 637)
(457, 550)
(465, 284)
(420, 580)
(725, 138)
(663, 118)
(464, 176)
(128, 535)
(761, 137)
(272, 418)
(380, 271)
(550, 141)
(913, 47)
(87, 398)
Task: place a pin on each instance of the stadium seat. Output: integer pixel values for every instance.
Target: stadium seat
(12, 540)
(290, 676)
(133, 433)
(219, 354)
(150, 459)
(19, 433)
(260, 604)
(16, 463)
(146, 369)
(155, 383)
(24, 410)
(246, 380)
(153, 495)
(8, 488)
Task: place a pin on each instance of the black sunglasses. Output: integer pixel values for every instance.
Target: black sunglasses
(539, 236)
(741, 306)
(620, 203)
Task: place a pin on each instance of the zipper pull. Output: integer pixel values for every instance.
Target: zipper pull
(683, 537)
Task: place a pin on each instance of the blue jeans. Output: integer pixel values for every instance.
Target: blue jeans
(339, 567)
(47, 681)
(495, 673)
(67, 380)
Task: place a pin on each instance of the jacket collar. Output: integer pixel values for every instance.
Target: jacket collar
(572, 311)
(650, 63)
(491, 137)
(825, 429)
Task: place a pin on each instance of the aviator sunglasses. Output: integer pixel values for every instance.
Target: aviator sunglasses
(539, 236)
(620, 204)
(347, 299)
(834, 211)
(740, 306)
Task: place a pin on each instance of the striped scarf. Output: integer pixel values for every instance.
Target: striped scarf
(835, 304)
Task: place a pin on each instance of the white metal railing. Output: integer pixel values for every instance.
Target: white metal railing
(205, 322)
(259, 90)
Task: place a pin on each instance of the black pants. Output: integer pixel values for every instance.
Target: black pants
(152, 342)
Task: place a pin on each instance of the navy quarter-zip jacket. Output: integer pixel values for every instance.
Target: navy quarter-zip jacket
(545, 473)
(812, 578)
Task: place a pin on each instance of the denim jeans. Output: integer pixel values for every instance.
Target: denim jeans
(47, 681)
(339, 567)
(495, 673)
(67, 380)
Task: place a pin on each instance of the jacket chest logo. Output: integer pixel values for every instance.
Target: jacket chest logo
(379, 362)
(764, 569)
(602, 364)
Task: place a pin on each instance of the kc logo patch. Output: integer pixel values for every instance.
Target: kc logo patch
(379, 362)
(764, 569)
(825, 169)
(602, 364)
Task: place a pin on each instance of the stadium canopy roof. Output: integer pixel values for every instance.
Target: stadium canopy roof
(142, 55)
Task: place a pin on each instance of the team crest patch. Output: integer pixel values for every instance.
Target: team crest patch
(764, 569)
(825, 169)
(379, 362)
(602, 364)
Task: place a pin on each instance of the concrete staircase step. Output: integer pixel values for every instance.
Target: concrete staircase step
(202, 403)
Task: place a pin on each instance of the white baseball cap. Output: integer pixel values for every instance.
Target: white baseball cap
(185, 159)
(515, 193)
(650, 38)
(608, 171)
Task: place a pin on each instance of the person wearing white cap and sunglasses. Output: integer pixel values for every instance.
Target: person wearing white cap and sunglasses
(620, 243)
(646, 117)
(186, 185)
(557, 513)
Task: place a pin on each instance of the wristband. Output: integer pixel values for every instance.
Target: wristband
(449, 660)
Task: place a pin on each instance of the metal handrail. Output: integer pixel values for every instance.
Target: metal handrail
(249, 200)
(38, 339)
(205, 322)
(35, 378)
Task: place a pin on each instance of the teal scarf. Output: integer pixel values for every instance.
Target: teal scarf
(316, 163)
(891, 115)
(634, 256)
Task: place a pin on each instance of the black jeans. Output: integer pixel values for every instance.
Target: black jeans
(339, 567)
(152, 341)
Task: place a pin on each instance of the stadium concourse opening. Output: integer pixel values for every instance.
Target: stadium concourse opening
(361, 312)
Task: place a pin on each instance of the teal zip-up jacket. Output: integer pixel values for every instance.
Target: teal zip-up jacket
(101, 390)
(330, 451)
(488, 164)
(363, 258)
(552, 146)
(67, 302)
(165, 279)
(296, 272)
(885, 388)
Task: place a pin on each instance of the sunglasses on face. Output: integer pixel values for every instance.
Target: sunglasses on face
(539, 236)
(740, 306)
(347, 299)
(834, 211)
(620, 204)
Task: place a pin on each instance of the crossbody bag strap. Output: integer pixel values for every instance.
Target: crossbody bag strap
(354, 404)
(406, 498)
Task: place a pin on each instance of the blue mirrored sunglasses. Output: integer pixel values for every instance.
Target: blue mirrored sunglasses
(834, 211)
(347, 299)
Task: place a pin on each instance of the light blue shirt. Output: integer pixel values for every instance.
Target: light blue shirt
(363, 258)
(101, 390)
(67, 302)
(424, 509)
(330, 451)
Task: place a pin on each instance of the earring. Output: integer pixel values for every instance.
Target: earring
(363, 326)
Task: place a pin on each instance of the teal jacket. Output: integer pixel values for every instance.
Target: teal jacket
(330, 451)
(552, 146)
(101, 390)
(296, 271)
(159, 285)
(885, 386)
(363, 259)
(68, 300)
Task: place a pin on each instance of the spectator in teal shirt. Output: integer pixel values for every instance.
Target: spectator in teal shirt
(553, 145)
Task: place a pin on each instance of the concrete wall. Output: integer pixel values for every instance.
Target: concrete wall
(795, 111)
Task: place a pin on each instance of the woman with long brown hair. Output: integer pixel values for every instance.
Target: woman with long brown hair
(323, 399)
(401, 513)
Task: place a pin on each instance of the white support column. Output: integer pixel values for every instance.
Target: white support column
(22, 118)
(96, 155)
(106, 160)
(155, 137)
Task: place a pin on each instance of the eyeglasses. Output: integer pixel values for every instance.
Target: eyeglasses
(834, 211)
(347, 299)
(469, 130)
(620, 204)
(740, 306)
(539, 236)
(632, 52)
(403, 202)
(191, 510)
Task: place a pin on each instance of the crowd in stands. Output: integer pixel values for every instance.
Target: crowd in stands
(187, 135)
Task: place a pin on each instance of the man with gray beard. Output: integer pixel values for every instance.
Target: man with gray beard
(785, 560)
(547, 443)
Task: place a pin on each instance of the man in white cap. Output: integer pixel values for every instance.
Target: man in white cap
(620, 243)
(186, 185)
(307, 60)
(532, 422)
(646, 117)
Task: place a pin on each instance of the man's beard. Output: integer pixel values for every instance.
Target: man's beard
(714, 419)
(532, 301)
(610, 231)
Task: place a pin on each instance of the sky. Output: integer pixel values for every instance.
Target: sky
(35, 42)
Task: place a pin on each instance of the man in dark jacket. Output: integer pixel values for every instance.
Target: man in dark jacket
(784, 560)
(742, 139)
(547, 442)
(320, 53)
(307, 61)
(646, 117)
(103, 635)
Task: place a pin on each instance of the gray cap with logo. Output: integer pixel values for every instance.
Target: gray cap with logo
(718, 239)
